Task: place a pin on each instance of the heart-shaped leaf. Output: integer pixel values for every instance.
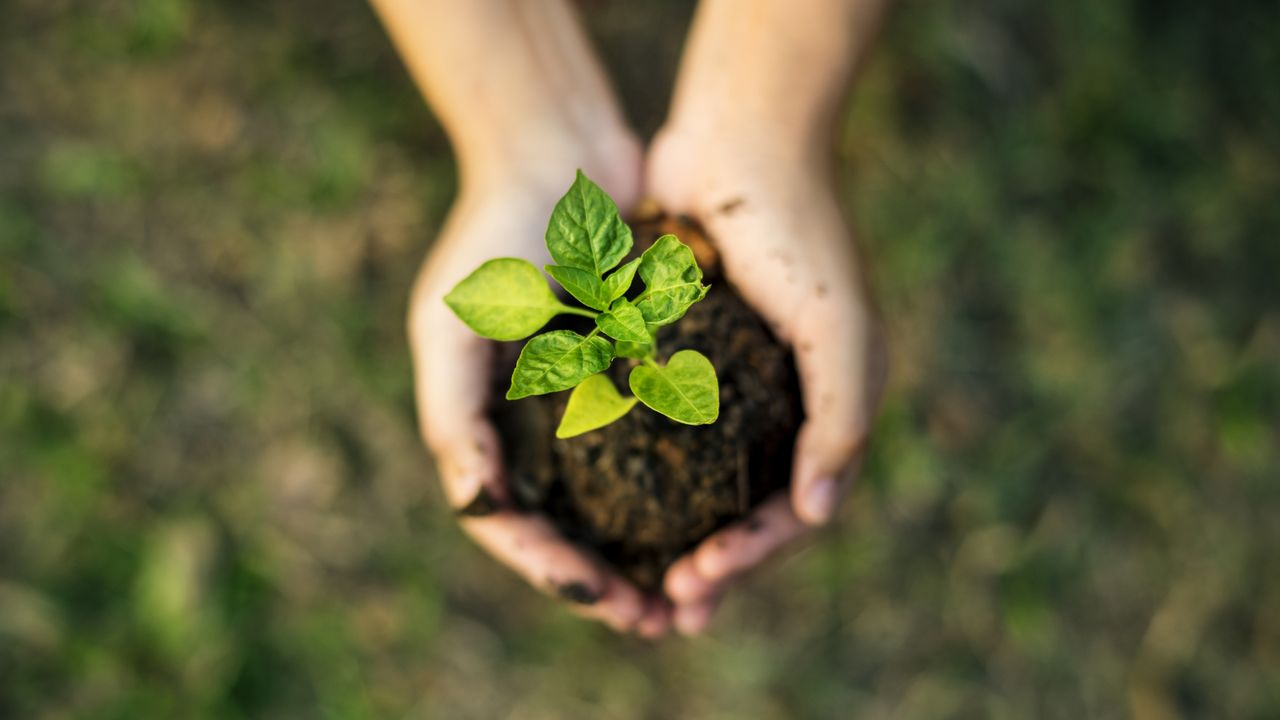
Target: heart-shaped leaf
(586, 231)
(586, 287)
(558, 360)
(504, 299)
(624, 322)
(593, 404)
(672, 279)
(686, 390)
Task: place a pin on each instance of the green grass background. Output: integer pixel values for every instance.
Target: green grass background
(213, 502)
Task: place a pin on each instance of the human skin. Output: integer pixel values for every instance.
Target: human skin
(746, 150)
(525, 104)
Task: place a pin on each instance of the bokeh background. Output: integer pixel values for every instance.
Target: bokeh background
(212, 498)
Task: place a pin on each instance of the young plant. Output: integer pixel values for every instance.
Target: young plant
(508, 299)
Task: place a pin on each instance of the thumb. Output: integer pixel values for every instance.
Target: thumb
(451, 379)
(470, 464)
(827, 460)
(842, 372)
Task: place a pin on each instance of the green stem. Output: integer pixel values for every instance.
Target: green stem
(651, 363)
(578, 311)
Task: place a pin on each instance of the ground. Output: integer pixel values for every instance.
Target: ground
(212, 498)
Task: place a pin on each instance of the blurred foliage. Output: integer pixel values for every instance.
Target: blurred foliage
(212, 498)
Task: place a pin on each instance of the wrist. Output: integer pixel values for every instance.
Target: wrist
(778, 141)
(738, 153)
(771, 75)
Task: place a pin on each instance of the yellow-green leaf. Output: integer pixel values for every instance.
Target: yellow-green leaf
(624, 322)
(504, 299)
(586, 287)
(636, 351)
(558, 360)
(586, 231)
(686, 390)
(619, 282)
(593, 404)
(672, 279)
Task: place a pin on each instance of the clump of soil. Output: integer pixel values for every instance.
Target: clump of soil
(645, 489)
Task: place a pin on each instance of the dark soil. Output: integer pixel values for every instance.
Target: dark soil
(645, 489)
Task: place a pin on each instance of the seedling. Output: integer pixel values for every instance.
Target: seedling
(508, 299)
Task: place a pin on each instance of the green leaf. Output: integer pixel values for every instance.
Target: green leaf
(593, 404)
(617, 284)
(673, 281)
(635, 351)
(586, 231)
(558, 360)
(686, 390)
(624, 322)
(504, 299)
(581, 284)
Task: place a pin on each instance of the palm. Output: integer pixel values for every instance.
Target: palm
(787, 250)
(453, 373)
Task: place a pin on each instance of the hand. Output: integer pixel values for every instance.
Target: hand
(785, 247)
(506, 217)
(519, 120)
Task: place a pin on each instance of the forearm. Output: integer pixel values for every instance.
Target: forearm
(513, 82)
(776, 72)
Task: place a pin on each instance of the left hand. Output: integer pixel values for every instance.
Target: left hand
(774, 218)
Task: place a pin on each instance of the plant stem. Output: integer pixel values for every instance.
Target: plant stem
(651, 363)
(578, 311)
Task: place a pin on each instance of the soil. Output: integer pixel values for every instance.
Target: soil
(645, 489)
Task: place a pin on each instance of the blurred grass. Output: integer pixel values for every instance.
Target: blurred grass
(213, 503)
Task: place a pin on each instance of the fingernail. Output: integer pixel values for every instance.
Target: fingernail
(820, 501)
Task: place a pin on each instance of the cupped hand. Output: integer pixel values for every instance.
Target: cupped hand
(507, 217)
(784, 245)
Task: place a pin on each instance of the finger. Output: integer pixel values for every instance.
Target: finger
(704, 575)
(748, 542)
(656, 620)
(621, 607)
(693, 619)
(471, 469)
(684, 584)
(842, 367)
(710, 568)
(451, 382)
(532, 546)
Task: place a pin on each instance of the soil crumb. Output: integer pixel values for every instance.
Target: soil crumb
(577, 593)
